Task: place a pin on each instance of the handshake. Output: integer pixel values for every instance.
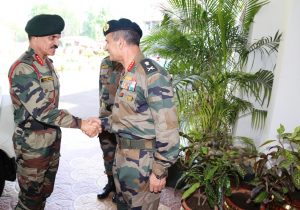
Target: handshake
(91, 126)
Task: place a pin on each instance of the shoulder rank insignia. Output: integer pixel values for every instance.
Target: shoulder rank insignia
(104, 66)
(148, 66)
(104, 71)
(46, 79)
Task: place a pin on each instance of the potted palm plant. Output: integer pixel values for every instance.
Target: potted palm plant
(207, 48)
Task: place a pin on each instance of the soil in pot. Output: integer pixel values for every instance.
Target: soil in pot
(293, 199)
(192, 203)
(238, 201)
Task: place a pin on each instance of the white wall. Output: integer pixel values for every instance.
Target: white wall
(285, 101)
(284, 106)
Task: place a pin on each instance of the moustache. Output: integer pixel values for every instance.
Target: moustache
(55, 46)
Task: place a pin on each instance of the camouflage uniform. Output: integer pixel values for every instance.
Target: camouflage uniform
(108, 83)
(145, 121)
(35, 95)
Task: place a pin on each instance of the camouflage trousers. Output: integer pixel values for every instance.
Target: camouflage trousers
(37, 157)
(108, 145)
(132, 168)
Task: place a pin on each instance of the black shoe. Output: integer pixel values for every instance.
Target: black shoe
(106, 190)
(109, 187)
(114, 198)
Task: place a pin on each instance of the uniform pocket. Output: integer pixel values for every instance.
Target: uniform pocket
(40, 140)
(30, 178)
(26, 174)
(128, 99)
(47, 86)
(133, 167)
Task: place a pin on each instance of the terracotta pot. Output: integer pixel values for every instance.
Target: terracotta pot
(293, 199)
(192, 203)
(283, 207)
(184, 205)
(237, 201)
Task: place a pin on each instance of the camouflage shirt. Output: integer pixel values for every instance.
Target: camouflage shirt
(34, 90)
(110, 73)
(144, 109)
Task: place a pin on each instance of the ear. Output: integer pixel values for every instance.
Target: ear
(121, 43)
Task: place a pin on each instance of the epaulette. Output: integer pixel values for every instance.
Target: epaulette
(27, 58)
(148, 66)
(118, 66)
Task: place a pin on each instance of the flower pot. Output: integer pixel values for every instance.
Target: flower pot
(239, 197)
(194, 202)
(238, 200)
(293, 199)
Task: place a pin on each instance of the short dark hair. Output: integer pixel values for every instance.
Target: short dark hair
(131, 37)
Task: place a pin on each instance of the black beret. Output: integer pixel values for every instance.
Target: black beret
(44, 25)
(121, 24)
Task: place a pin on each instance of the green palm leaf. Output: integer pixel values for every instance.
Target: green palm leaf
(207, 48)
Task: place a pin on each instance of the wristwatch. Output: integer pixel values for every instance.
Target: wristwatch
(165, 174)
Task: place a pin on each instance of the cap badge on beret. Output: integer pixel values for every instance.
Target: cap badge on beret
(122, 24)
(106, 27)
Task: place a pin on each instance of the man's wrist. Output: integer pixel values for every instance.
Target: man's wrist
(78, 122)
(160, 177)
(159, 170)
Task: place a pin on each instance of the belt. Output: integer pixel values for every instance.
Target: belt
(36, 126)
(124, 143)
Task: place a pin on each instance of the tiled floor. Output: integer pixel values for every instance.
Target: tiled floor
(80, 174)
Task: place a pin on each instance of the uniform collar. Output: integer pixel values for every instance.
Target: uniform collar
(138, 58)
(38, 59)
(36, 56)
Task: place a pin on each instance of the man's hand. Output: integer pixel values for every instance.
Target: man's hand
(91, 126)
(156, 185)
(95, 121)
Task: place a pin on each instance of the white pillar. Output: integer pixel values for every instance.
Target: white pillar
(285, 99)
(284, 106)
